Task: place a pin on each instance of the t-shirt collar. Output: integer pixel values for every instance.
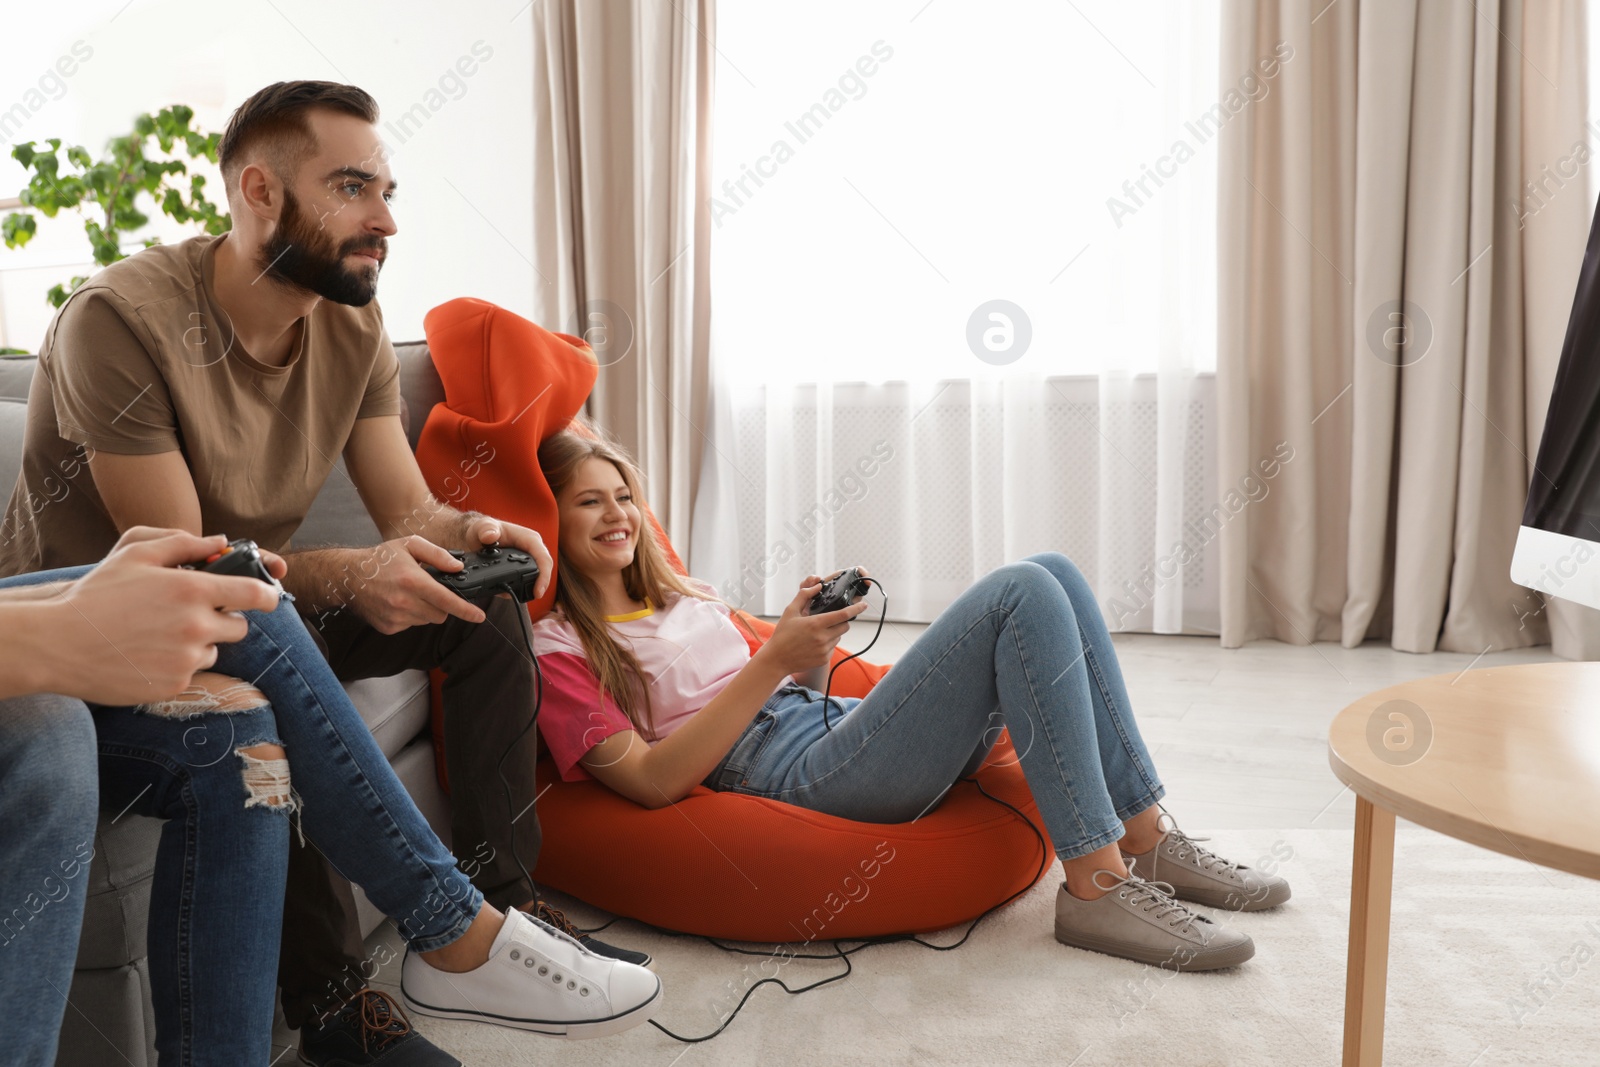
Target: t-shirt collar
(208, 267)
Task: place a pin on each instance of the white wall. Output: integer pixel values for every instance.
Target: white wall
(465, 170)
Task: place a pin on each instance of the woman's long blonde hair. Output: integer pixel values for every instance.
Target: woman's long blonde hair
(648, 577)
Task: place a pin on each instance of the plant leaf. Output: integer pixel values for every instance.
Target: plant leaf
(18, 229)
(173, 205)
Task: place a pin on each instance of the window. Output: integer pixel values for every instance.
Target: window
(878, 177)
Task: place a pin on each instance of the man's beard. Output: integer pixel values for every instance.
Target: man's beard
(301, 255)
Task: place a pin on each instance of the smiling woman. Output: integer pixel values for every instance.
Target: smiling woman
(599, 524)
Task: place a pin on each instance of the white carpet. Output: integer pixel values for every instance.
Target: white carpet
(1471, 930)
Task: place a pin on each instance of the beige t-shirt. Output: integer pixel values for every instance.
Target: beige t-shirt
(141, 360)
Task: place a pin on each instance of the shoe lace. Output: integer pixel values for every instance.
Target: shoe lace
(1153, 898)
(1204, 857)
(557, 926)
(555, 917)
(382, 1020)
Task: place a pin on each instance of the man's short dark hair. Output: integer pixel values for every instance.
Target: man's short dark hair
(273, 121)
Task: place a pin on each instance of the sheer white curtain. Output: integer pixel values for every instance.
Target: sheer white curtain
(963, 300)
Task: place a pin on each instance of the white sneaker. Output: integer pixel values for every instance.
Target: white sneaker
(539, 979)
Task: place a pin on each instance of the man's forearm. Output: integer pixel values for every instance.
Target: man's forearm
(435, 521)
(327, 579)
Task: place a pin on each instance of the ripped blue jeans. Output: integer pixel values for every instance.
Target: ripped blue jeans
(216, 902)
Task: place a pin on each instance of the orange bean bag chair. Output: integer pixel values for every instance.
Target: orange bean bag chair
(718, 864)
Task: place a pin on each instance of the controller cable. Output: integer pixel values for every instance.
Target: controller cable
(839, 952)
(828, 686)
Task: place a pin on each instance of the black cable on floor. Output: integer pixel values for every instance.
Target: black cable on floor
(841, 953)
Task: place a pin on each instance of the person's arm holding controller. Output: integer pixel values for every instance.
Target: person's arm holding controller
(135, 629)
(391, 589)
(665, 773)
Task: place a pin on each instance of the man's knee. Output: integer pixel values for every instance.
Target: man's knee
(501, 613)
(500, 634)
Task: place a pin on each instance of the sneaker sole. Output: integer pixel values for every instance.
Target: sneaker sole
(579, 1031)
(1206, 959)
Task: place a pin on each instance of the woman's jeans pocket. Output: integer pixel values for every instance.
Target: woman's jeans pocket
(745, 755)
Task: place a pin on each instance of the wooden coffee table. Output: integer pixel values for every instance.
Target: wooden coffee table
(1507, 758)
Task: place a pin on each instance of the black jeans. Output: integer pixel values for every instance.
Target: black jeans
(488, 696)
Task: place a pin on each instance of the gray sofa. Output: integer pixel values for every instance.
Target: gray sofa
(109, 1019)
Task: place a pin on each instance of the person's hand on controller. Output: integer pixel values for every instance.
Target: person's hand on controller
(483, 530)
(491, 571)
(394, 589)
(394, 592)
(137, 627)
(862, 571)
(800, 642)
(839, 589)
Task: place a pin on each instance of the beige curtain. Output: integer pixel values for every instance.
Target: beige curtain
(622, 103)
(1392, 305)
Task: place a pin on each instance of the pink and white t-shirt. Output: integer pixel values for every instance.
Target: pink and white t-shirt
(689, 649)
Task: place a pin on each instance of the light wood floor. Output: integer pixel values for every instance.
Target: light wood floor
(1240, 736)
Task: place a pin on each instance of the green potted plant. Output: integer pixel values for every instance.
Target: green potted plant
(106, 192)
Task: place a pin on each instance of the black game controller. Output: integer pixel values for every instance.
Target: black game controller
(489, 571)
(845, 589)
(241, 558)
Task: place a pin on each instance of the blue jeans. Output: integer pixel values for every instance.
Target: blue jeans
(217, 899)
(47, 820)
(1024, 648)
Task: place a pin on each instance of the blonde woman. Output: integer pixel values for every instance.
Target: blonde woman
(650, 687)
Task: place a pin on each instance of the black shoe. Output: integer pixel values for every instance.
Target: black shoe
(370, 1029)
(544, 912)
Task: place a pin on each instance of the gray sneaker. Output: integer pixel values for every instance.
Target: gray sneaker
(1197, 874)
(1140, 921)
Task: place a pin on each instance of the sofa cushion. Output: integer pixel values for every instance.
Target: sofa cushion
(117, 903)
(395, 709)
(13, 424)
(111, 1018)
(419, 385)
(16, 375)
(337, 516)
